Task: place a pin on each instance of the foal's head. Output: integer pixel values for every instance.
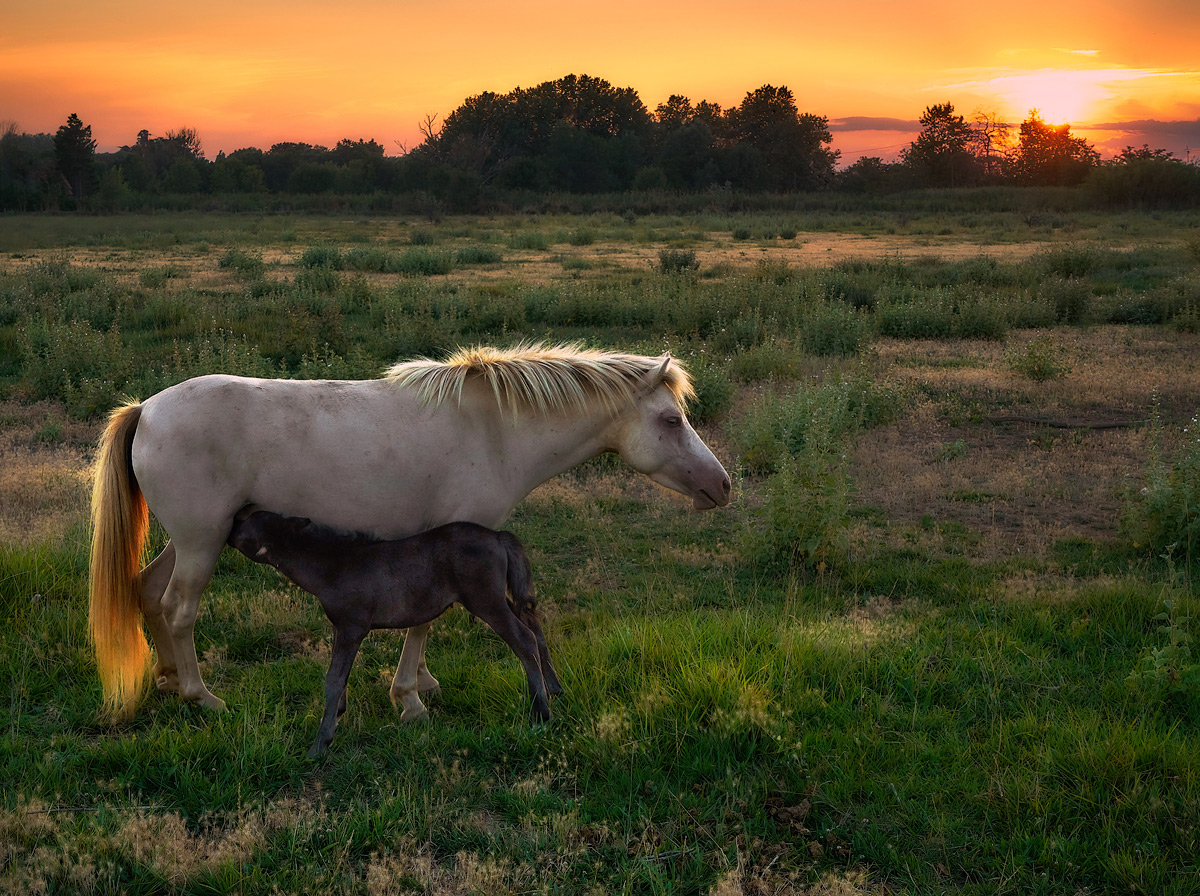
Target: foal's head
(261, 535)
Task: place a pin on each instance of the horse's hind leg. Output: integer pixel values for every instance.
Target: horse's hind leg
(153, 581)
(180, 604)
(407, 681)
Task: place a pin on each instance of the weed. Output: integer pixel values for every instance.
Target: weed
(1165, 514)
(1042, 359)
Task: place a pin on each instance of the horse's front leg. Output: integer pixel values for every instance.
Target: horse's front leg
(406, 683)
(153, 583)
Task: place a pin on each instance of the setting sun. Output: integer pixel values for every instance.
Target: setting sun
(1062, 97)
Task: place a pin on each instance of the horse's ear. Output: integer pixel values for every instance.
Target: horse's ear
(658, 375)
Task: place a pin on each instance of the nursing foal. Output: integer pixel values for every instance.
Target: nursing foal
(365, 584)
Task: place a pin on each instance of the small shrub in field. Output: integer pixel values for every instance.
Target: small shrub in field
(1168, 673)
(529, 240)
(318, 279)
(1165, 515)
(322, 257)
(802, 441)
(243, 265)
(770, 360)
(741, 234)
(714, 393)
(422, 236)
(1070, 296)
(833, 329)
(1042, 359)
(478, 255)
(677, 261)
(422, 262)
(583, 237)
(156, 278)
(366, 259)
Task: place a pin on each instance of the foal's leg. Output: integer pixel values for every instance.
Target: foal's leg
(406, 683)
(426, 683)
(153, 584)
(501, 619)
(346, 642)
(194, 565)
(527, 616)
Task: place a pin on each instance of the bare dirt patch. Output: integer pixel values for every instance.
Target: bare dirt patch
(989, 463)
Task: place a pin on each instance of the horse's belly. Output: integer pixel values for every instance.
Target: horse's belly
(349, 457)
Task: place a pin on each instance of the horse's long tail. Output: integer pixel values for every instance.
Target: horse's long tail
(120, 520)
(520, 576)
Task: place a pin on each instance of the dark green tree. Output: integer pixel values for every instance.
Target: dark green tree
(75, 154)
(27, 168)
(943, 155)
(793, 147)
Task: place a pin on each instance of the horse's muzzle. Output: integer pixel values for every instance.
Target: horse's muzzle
(706, 500)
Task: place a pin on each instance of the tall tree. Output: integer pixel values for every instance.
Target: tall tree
(792, 146)
(942, 155)
(75, 153)
(1048, 154)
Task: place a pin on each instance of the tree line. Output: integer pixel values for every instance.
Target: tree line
(582, 135)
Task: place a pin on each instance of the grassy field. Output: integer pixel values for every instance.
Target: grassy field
(943, 640)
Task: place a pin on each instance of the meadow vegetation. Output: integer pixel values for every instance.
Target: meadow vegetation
(943, 641)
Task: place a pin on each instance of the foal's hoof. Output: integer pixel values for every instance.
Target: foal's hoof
(317, 750)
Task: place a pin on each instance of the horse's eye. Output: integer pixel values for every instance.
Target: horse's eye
(674, 421)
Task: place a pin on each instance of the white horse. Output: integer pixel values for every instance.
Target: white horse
(427, 444)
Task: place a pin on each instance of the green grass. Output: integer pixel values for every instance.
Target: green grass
(741, 709)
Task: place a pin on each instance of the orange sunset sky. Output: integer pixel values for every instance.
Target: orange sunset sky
(259, 72)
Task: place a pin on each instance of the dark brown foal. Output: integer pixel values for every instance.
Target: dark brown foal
(365, 584)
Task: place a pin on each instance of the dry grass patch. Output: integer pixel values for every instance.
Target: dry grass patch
(45, 477)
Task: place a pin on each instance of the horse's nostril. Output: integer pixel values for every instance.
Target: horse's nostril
(726, 486)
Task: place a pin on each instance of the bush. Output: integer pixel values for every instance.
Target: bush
(833, 329)
(1041, 360)
(322, 257)
(243, 265)
(478, 255)
(1165, 515)
(714, 393)
(422, 262)
(677, 261)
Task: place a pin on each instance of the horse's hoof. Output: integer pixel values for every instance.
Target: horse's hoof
(427, 684)
(213, 703)
(408, 716)
(317, 750)
(169, 682)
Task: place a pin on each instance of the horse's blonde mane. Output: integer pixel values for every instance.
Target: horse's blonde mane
(541, 378)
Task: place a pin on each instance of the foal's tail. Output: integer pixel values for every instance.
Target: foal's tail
(120, 520)
(520, 575)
